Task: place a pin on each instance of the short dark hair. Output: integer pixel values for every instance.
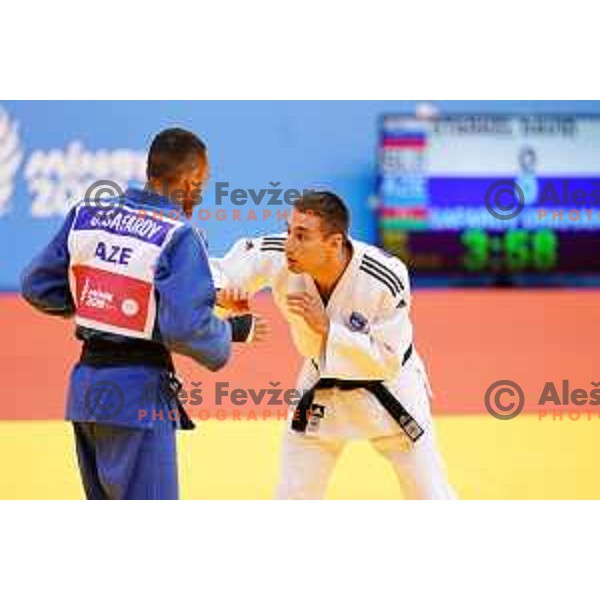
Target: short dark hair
(172, 152)
(330, 207)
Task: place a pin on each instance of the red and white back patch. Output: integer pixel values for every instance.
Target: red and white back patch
(112, 299)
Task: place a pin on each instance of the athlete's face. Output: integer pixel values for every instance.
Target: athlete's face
(309, 249)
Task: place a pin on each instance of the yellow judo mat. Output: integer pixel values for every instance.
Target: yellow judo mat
(485, 458)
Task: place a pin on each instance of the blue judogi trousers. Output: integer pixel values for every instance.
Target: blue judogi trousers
(123, 463)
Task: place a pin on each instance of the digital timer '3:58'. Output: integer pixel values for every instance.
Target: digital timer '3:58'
(517, 250)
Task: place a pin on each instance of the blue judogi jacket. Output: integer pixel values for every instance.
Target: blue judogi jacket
(139, 272)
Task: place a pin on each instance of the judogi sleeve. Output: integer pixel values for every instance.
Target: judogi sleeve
(45, 282)
(186, 298)
(377, 352)
(250, 264)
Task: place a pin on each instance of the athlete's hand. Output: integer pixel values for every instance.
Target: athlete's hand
(234, 300)
(311, 309)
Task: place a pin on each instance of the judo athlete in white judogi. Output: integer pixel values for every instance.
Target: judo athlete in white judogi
(348, 306)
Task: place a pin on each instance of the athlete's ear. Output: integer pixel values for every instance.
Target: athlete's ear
(337, 241)
(188, 201)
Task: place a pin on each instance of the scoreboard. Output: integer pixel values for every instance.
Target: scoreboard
(492, 199)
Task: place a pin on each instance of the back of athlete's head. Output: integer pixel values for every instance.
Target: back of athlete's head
(173, 153)
(329, 207)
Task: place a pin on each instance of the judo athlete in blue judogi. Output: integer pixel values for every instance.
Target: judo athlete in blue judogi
(135, 277)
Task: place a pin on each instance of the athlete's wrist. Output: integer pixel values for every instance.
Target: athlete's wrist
(242, 327)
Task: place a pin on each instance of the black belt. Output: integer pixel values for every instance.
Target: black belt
(395, 409)
(102, 353)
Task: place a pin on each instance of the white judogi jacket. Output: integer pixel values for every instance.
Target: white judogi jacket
(370, 332)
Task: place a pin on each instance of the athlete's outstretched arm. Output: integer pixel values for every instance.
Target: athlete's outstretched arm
(249, 264)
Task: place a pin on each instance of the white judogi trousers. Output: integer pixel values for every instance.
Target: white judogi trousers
(308, 459)
(307, 464)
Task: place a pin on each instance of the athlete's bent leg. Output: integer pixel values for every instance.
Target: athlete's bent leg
(306, 466)
(420, 470)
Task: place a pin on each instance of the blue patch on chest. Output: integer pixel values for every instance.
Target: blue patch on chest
(358, 322)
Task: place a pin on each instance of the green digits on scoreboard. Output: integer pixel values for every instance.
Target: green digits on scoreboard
(545, 250)
(517, 253)
(477, 256)
(516, 250)
(535, 250)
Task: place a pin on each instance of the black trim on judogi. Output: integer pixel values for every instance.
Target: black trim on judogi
(383, 274)
(276, 244)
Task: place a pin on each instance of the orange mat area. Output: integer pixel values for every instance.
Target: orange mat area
(469, 339)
